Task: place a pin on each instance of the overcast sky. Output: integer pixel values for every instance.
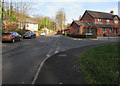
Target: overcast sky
(72, 8)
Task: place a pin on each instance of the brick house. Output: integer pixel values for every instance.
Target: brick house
(96, 23)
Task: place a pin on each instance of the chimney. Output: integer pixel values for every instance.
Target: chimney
(112, 12)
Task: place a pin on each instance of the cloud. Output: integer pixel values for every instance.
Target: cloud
(35, 5)
(72, 9)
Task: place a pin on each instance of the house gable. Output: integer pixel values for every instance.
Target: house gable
(74, 28)
(116, 18)
(87, 17)
(75, 24)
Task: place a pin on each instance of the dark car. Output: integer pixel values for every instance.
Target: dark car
(11, 36)
(29, 34)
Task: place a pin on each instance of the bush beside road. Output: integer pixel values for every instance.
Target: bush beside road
(81, 36)
(100, 64)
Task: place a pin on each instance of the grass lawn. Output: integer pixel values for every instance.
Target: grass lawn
(101, 64)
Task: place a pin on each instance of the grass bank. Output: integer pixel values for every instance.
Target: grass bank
(101, 64)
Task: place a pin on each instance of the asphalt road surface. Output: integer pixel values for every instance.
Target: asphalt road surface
(20, 60)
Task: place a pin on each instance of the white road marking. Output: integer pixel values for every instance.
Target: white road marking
(57, 49)
(62, 55)
(60, 83)
(48, 55)
(56, 52)
(23, 82)
(40, 66)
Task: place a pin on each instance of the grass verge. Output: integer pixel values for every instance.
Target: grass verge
(101, 64)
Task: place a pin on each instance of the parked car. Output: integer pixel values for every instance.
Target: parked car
(11, 36)
(42, 34)
(29, 34)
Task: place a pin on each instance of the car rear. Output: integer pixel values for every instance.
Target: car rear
(27, 35)
(7, 37)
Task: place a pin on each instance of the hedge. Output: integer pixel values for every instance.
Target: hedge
(81, 36)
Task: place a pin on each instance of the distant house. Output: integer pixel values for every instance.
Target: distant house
(46, 30)
(96, 23)
(29, 25)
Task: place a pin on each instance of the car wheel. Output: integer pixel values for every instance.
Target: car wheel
(31, 37)
(34, 36)
(20, 39)
(13, 40)
(23, 37)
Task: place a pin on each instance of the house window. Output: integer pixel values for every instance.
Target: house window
(104, 30)
(116, 22)
(99, 20)
(110, 30)
(107, 21)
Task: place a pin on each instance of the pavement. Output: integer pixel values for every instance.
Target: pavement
(62, 68)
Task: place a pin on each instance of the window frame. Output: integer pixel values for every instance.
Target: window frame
(104, 30)
(110, 30)
(108, 21)
(116, 21)
(99, 20)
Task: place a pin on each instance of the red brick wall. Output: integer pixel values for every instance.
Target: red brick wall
(87, 17)
(117, 25)
(100, 31)
(81, 30)
(74, 28)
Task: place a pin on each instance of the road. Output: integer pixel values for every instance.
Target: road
(21, 60)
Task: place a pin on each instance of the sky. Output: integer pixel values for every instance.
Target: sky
(72, 8)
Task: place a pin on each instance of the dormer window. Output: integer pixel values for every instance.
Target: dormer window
(107, 21)
(116, 22)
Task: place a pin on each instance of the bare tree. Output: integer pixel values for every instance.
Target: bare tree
(60, 19)
(21, 10)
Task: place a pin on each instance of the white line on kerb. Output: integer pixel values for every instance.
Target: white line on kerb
(37, 73)
(40, 66)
